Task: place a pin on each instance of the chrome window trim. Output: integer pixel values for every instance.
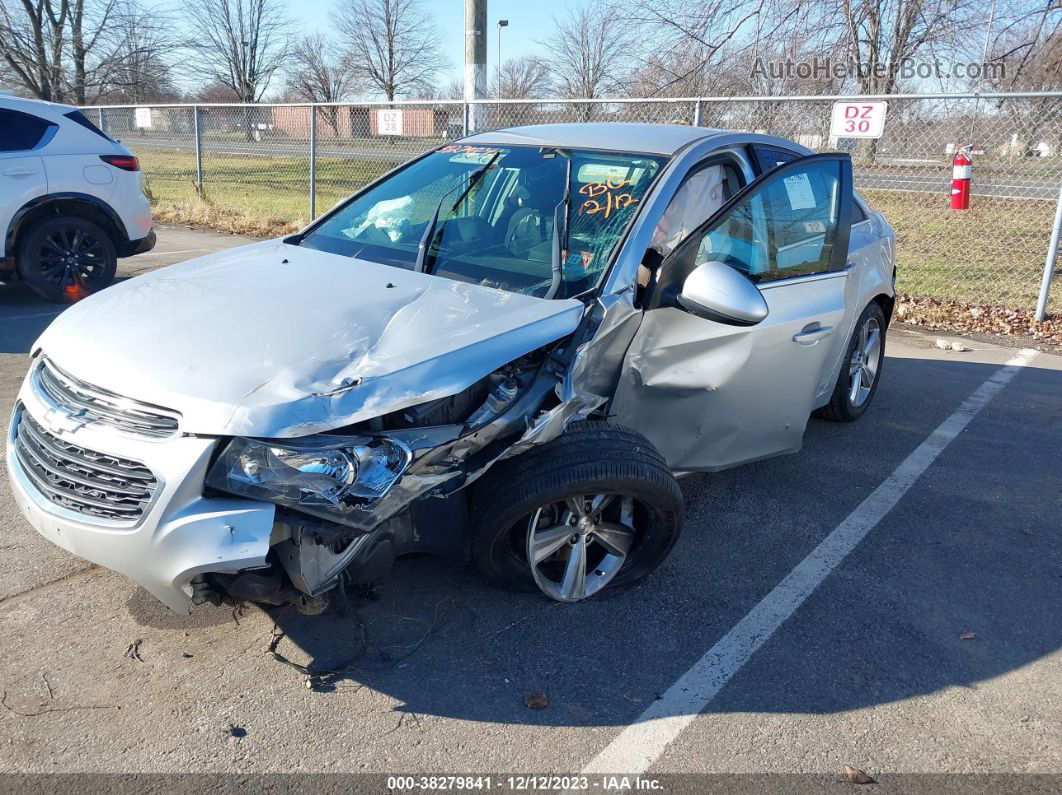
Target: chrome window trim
(805, 278)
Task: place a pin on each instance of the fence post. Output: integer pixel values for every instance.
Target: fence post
(101, 125)
(464, 119)
(313, 162)
(1049, 264)
(198, 151)
(697, 114)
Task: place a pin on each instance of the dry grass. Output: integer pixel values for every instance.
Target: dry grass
(197, 212)
(991, 254)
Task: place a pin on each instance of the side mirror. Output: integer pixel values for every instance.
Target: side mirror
(715, 291)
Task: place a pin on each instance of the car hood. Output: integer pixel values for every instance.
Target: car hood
(276, 340)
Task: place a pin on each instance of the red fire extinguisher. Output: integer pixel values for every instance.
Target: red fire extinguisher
(961, 174)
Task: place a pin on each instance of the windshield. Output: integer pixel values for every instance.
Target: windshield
(486, 214)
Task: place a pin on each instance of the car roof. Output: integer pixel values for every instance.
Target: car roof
(38, 107)
(657, 139)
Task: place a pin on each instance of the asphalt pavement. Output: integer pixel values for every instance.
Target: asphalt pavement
(929, 644)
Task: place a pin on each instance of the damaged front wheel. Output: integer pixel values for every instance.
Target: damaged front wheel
(595, 507)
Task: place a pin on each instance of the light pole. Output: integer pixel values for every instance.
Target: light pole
(502, 23)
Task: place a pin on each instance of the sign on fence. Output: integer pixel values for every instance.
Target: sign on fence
(142, 117)
(389, 122)
(858, 119)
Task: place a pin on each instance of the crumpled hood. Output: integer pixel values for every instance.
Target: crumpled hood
(276, 340)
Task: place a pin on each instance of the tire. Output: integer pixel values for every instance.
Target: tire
(846, 403)
(67, 258)
(635, 492)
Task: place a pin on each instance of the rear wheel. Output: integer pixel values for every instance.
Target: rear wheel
(594, 508)
(861, 370)
(67, 258)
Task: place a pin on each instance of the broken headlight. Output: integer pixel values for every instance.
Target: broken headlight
(322, 472)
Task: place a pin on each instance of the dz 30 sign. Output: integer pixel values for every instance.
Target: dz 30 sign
(858, 119)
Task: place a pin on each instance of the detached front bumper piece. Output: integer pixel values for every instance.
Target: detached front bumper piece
(172, 535)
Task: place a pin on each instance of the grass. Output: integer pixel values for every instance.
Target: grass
(991, 254)
(248, 194)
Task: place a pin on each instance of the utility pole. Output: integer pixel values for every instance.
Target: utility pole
(475, 61)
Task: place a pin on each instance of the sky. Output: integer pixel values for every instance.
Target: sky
(528, 20)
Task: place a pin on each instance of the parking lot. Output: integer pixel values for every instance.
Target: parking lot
(887, 599)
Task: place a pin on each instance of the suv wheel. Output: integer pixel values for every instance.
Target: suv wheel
(595, 507)
(65, 259)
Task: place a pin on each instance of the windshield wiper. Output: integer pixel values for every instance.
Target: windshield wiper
(560, 241)
(429, 231)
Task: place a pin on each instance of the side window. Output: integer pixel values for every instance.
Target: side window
(768, 158)
(858, 214)
(78, 117)
(21, 132)
(705, 190)
(787, 227)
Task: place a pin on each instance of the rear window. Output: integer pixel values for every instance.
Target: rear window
(80, 118)
(21, 132)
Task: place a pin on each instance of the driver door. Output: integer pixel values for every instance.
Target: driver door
(711, 393)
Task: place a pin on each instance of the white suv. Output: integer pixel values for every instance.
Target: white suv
(71, 200)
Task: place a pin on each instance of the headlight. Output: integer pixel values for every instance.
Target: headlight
(324, 473)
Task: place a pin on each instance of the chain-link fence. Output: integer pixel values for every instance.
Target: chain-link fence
(292, 162)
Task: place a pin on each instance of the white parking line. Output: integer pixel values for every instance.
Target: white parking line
(49, 313)
(163, 253)
(639, 745)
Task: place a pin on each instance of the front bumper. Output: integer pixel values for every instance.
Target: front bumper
(181, 533)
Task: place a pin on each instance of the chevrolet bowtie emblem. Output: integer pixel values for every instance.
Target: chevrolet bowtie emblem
(61, 420)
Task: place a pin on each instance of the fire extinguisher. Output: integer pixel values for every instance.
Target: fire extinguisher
(961, 174)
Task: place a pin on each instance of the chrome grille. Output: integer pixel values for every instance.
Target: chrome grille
(92, 404)
(82, 480)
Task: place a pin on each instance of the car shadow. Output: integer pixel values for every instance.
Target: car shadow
(24, 316)
(891, 623)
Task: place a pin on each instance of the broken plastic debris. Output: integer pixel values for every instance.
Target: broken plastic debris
(948, 345)
(856, 776)
(537, 700)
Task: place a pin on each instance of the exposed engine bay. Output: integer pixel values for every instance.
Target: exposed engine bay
(449, 442)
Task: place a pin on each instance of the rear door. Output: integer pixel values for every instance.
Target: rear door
(711, 395)
(22, 176)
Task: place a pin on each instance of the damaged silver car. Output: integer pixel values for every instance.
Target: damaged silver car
(505, 351)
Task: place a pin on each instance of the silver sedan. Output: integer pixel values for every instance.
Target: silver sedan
(505, 349)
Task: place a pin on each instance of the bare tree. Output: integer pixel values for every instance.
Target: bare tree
(1027, 45)
(702, 47)
(1025, 54)
(318, 74)
(392, 45)
(879, 36)
(238, 43)
(58, 49)
(141, 71)
(591, 51)
(521, 78)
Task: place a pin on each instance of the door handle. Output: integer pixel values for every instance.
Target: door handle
(20, 172)
(811, 336)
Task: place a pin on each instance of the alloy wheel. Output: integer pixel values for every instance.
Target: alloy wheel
(72, 259)
(865, 362)
(576, 547)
